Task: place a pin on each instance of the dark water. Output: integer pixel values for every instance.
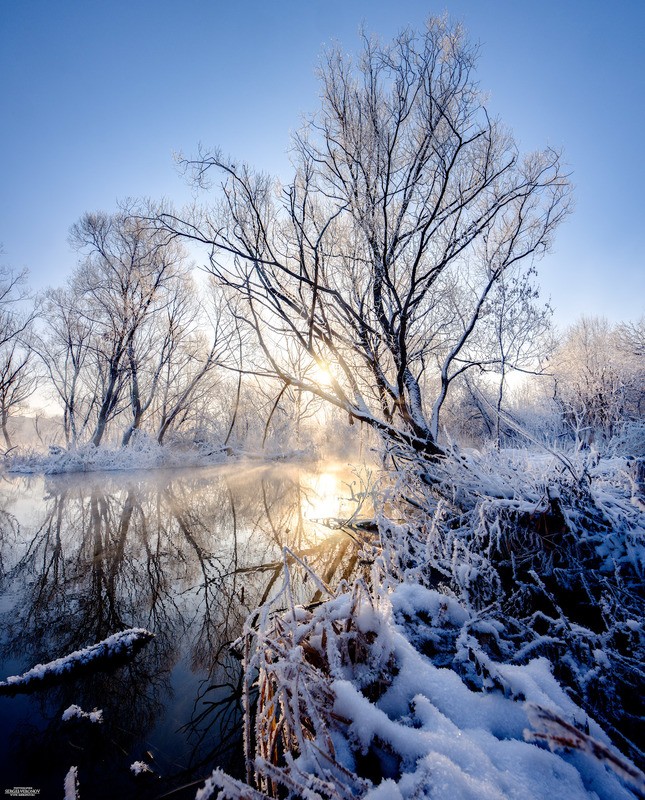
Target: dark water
(187, 555)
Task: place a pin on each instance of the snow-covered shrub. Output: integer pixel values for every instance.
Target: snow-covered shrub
(352, 703)
(547, 554)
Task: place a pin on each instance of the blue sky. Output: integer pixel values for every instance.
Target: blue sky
(96, 95)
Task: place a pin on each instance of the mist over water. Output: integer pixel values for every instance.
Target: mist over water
(186, 554)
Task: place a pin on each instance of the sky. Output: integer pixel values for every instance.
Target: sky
(97, 96)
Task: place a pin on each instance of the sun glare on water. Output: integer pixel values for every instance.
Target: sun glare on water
(325, 499)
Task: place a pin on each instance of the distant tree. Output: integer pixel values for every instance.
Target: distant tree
(65, 346)
(598, 379)
(407, 207)
(128, 273)
(631, 338)
(631, 344)
(18, 378)
(519, 328)
(155, 349)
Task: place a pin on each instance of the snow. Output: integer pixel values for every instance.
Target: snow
(75, 711)
(140, 767)
(71, 784)
(117, 644)
(143, 453)
(457, 743)
(430, 734)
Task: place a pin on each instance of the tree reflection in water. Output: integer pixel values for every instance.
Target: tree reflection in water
(187, 556)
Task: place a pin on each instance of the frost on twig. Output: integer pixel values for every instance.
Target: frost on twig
(559, 734)
(123, 643)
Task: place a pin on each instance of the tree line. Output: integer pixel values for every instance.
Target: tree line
(392, 278)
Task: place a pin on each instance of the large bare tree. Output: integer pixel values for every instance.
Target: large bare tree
(407, 205)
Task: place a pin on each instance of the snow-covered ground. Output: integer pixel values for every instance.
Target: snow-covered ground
(370, 715)
(143, 454)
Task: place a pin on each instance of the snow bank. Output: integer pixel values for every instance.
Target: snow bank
(143, 453)
(118, 644)
(350, 707)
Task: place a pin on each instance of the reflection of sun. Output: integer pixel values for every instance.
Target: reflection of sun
(325, 498)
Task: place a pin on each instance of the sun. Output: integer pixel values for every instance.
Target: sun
(320, 374)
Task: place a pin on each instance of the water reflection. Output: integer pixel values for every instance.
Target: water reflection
(187, 556)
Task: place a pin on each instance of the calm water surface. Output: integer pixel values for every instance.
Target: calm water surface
(187, 555)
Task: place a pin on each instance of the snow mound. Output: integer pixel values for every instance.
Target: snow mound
(77, 712)
(71, 784)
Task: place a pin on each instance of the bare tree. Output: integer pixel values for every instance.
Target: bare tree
(631, 345)
(64, 346)
(184, 377)
(154, 347)
(598, 379)
(18, 378)
(125, 277)
(631, 337)
(519, 327)
(405, 196)
(204, 337)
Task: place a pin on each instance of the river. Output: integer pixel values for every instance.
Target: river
(186, 554)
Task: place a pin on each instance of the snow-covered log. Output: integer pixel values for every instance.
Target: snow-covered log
(123, 643)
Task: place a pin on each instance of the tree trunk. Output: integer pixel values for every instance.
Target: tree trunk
(5, 431)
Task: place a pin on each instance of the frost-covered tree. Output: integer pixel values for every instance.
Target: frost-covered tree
(64, 344)
(516, 335)
(598, 379)
(125, 275)
(127, 338)
(18, 378)
(407, 205)
(631, 344)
